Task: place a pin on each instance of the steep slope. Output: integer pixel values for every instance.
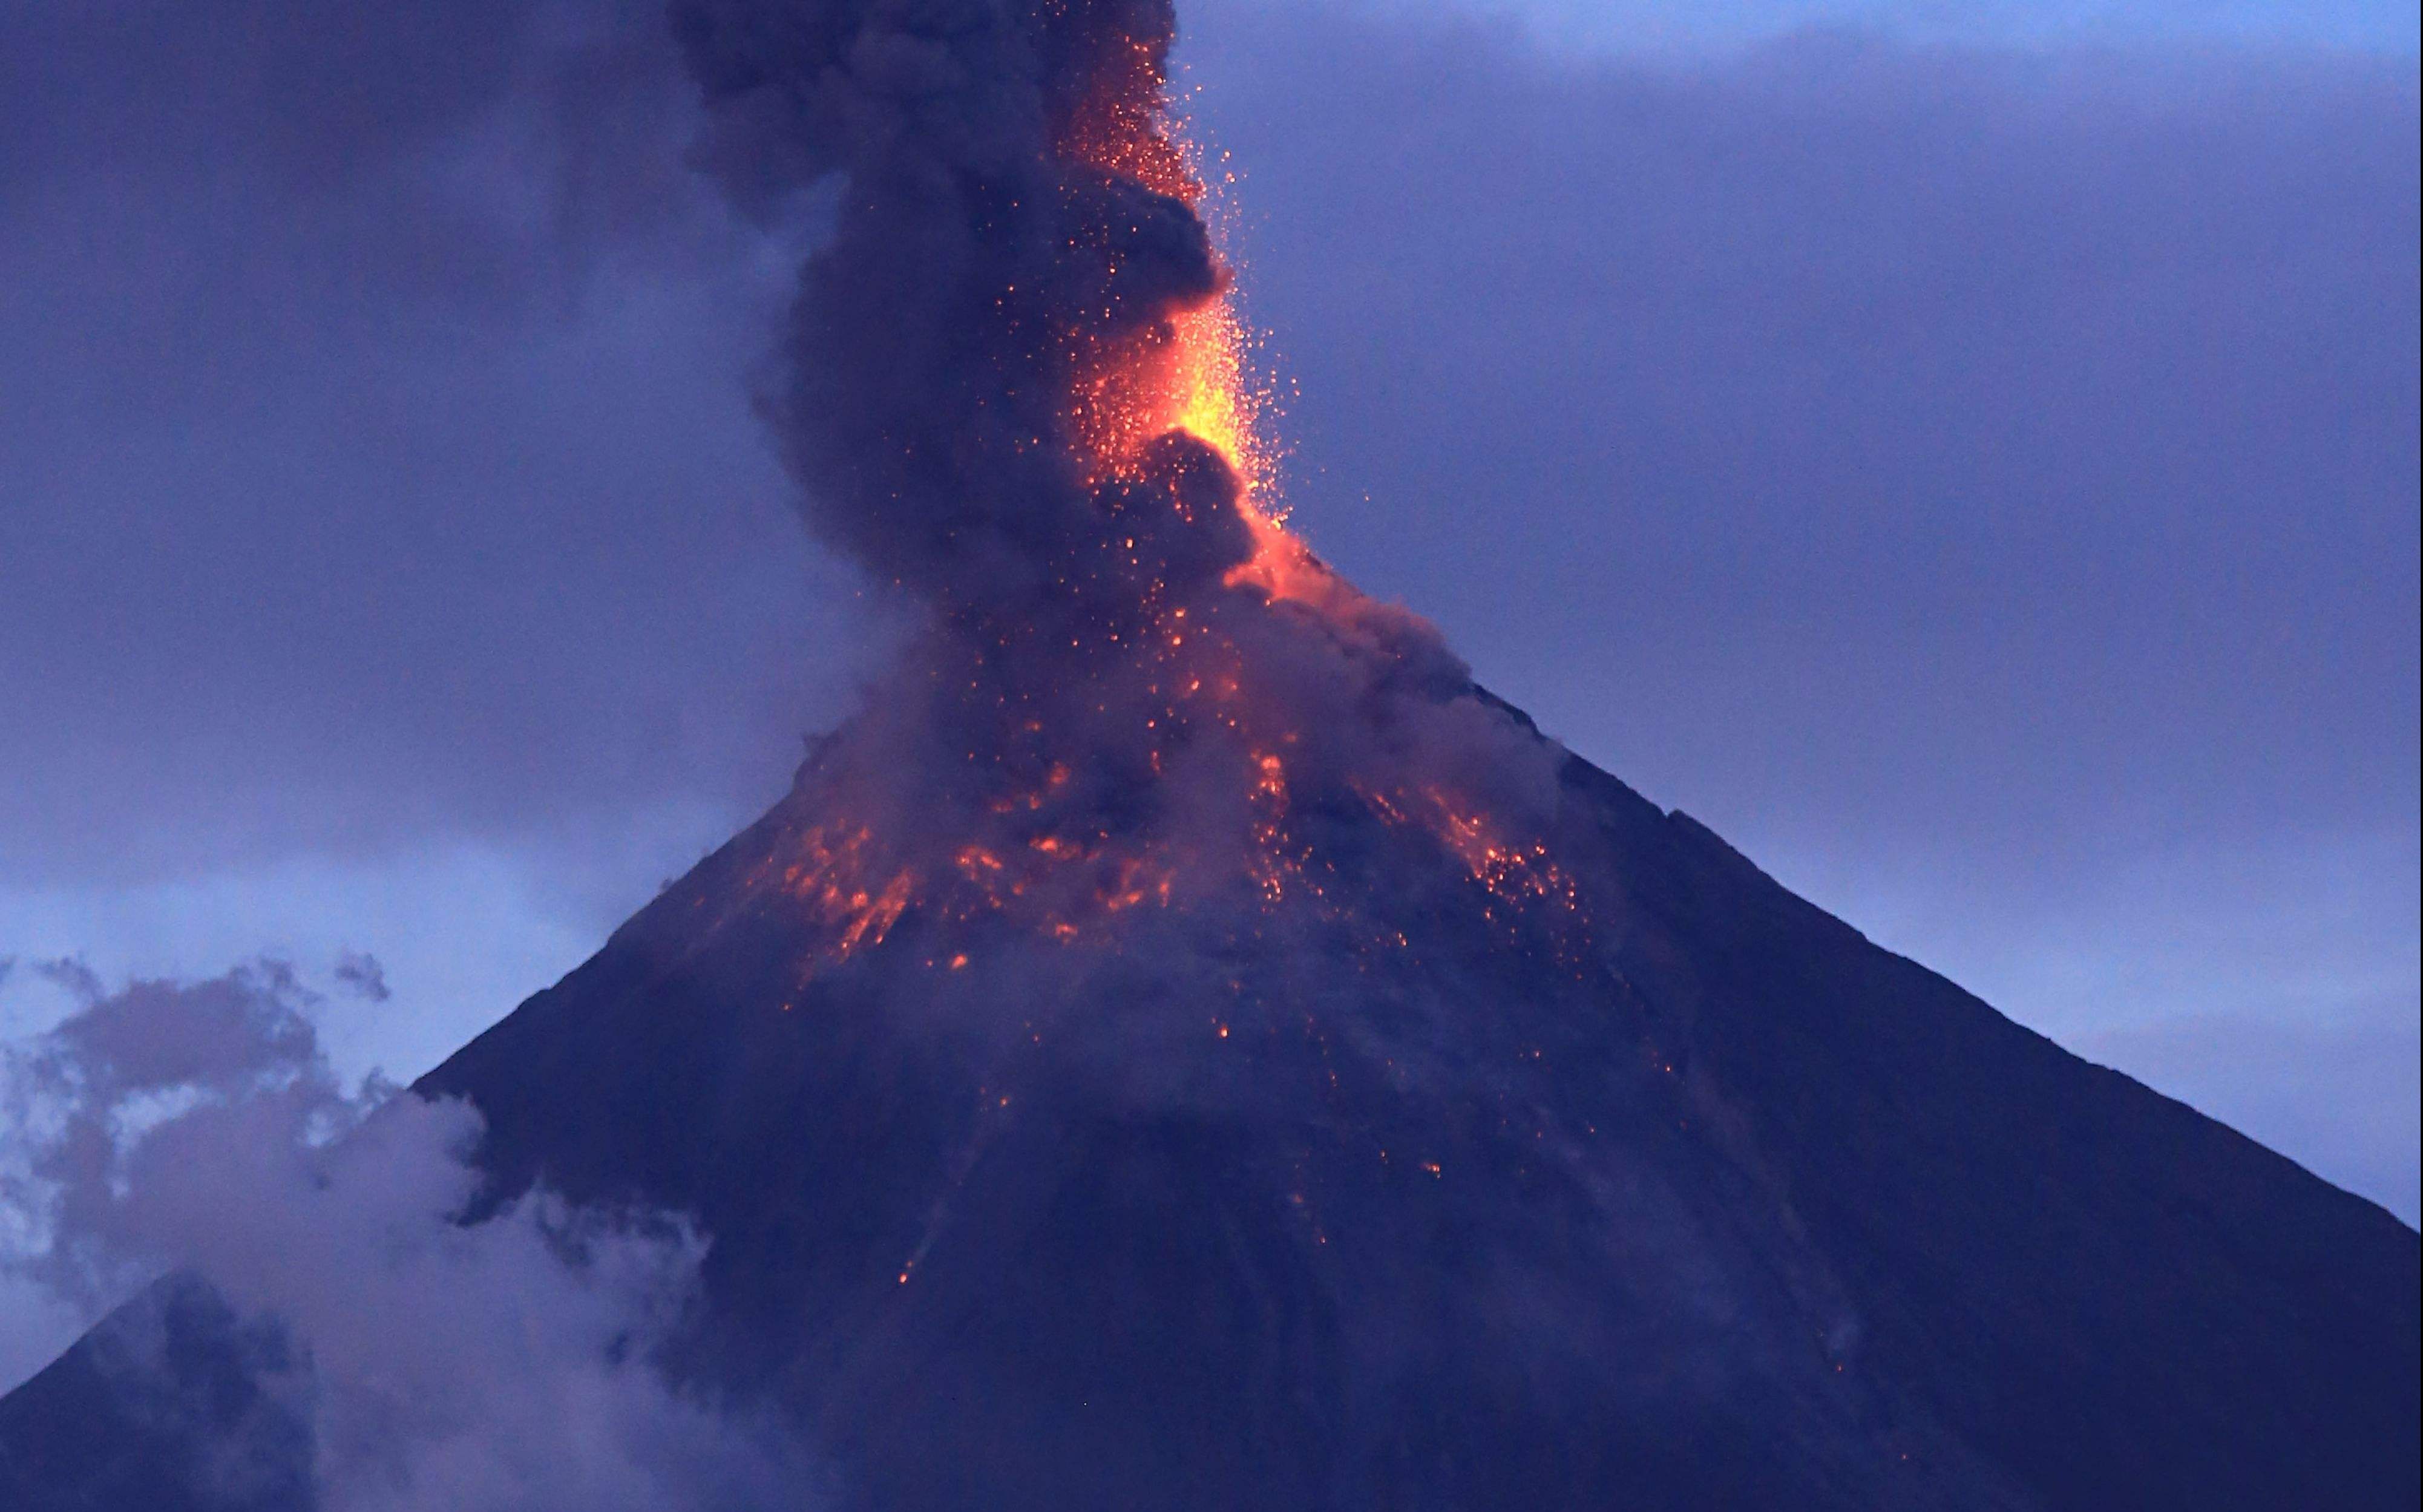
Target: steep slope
(1712, 1204)
(1184, 1047)
(159, 1407)
(1742, 1212)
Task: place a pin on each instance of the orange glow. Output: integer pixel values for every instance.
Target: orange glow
(1052, 860)
(1216, 397)
(1199, 376)
(1513, 871)
(828, 875)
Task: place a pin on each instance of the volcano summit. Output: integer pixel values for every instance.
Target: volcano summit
(1185, 1046)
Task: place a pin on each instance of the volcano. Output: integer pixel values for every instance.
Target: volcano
(1732, 1208)
(1184, 1044)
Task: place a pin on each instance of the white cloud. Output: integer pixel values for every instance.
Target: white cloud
(502, 1363)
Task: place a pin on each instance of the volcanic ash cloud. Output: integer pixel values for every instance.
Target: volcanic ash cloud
(1011, 389)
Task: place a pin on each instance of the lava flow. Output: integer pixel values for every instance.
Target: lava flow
(1021, 391)
(1195, 375)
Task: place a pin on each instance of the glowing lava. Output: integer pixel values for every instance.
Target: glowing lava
(1143, 684)
(1199, 375)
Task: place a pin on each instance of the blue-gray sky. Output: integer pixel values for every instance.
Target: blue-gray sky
(1965, 454)
(1635, 25)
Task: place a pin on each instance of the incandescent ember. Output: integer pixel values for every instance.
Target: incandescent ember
(1018, 391)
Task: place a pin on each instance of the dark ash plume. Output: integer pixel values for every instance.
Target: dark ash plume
(976, 395)
(996, 248)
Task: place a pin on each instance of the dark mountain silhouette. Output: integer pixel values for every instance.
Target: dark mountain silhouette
(1724, 1207)
(1183, 1047)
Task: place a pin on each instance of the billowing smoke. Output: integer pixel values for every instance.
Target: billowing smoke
(1158, 814)
(997, 249)
(191, 1139)
(1155, 818)
(1001, 389)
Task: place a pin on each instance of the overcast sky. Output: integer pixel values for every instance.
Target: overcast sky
(1636, 25)
(1967, 455)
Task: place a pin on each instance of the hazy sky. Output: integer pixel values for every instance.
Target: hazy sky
(1967, 455)
(2379, 26)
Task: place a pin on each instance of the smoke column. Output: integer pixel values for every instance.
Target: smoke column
(1010, 390)
(1015, 241)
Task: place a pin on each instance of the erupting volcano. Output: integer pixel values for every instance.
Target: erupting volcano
(1184, 1045)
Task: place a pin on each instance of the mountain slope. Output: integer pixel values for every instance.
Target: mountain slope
(1861, 1216)
(1714, 1203)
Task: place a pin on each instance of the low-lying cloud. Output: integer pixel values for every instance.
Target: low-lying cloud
(441, 1362)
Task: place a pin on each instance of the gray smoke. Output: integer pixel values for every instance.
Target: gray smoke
(196, 1130)
(1015, 237)
(978, 267)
